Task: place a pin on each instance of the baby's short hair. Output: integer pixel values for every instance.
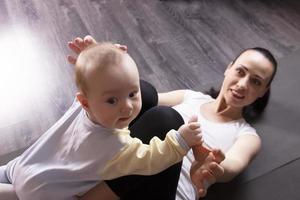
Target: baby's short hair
(95, 57)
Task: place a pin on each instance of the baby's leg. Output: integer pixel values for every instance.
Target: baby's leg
(7, 192)
(3, 177)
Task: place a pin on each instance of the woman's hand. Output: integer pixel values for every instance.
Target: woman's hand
(79, 44)
(204, 174)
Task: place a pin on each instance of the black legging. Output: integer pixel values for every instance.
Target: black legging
(152, 121)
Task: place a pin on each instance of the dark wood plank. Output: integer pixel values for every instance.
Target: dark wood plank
(176, 44)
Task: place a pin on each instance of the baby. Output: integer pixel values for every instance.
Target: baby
(91, 142)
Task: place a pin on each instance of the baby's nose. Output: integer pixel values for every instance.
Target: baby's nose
(127, 106)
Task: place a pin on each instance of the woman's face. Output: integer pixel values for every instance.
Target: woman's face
(246, 79)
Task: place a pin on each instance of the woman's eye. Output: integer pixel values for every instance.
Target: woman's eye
(239, 71)
(256, 82)
(112, 100)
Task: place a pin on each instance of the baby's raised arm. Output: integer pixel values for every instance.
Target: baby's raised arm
(78, 44)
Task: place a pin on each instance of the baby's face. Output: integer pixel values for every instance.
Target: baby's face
(114, 95)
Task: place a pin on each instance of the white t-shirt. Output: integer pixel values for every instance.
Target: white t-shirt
(215, 135)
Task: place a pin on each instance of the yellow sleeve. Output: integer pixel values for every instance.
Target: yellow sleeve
(143, 159)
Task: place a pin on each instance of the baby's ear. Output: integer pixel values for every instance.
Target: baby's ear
(82, 99)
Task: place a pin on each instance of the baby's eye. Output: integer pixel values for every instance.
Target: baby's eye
(132, 94)
(112, 100)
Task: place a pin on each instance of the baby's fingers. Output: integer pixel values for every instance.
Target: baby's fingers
(80, 43)
(194, 118)
(198, 140)
(88, 40)
(71, 60)
(194, 125)
(74, 47)
(122, 47)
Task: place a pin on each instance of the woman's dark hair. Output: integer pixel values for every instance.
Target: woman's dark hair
(254, 110)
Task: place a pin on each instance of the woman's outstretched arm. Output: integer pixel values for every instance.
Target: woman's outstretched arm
(171, 98)
(218, 168)
(239, 156)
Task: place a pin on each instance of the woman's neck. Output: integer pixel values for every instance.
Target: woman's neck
(220, 108)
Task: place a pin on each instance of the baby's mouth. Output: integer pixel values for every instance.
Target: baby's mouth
(124, 118)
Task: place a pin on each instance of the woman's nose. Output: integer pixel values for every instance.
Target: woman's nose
(243, 83)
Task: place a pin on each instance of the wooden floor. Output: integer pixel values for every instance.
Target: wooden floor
(176, 44)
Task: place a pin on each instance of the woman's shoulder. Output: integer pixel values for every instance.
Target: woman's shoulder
(244, 128)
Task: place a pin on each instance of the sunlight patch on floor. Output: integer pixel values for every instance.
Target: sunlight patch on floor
(21, 72)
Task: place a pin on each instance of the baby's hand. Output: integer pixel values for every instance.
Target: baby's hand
(78, 45)
(191, 132)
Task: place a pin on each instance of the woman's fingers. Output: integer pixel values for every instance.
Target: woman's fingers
(219, 155)
(216, 169)
(200, 153)
(208, 178)
(202, 192)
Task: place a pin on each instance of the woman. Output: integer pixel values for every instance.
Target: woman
(244, 94)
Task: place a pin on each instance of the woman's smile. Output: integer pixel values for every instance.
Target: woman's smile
(236, 94)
